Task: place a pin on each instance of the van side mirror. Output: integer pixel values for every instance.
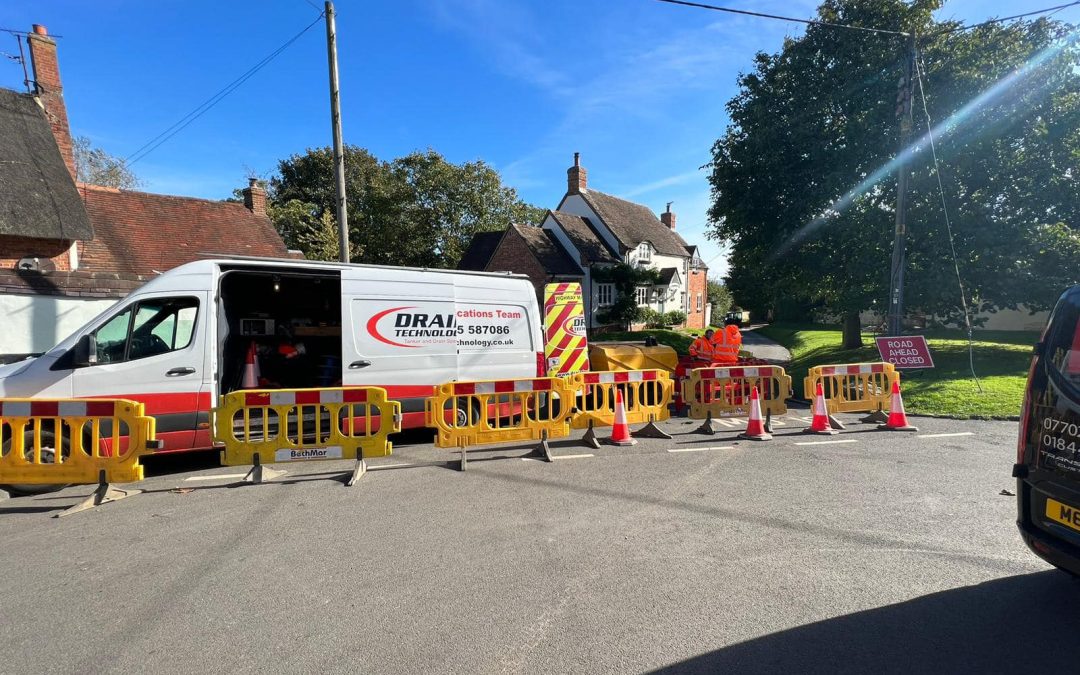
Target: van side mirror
(85, 351)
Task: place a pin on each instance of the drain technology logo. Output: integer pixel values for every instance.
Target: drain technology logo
(413, 327)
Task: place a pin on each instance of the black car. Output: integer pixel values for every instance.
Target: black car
(1047, 466)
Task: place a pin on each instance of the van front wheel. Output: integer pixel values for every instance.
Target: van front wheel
(48, 455)
(467, 413)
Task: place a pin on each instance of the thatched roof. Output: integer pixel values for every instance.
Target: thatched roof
(38, 198)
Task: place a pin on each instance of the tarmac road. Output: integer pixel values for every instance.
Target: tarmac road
(864, 552)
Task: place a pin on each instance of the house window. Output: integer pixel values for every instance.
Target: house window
(641, 295)
(644, 252)
(605, 294)
(699, 302)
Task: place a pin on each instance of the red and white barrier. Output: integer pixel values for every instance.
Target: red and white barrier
(619, 377)
(312, 397)
(755, 371)
(501, 387)
(854, 369)
(47, 408)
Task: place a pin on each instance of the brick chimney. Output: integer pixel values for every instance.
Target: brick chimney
(576, 177)
(49, 92)
(668, 218)
(255, 197)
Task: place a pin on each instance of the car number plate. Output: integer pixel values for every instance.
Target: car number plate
(1068, 516)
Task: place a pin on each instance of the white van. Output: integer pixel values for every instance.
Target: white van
(184, 338)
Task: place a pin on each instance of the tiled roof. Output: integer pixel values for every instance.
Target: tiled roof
(633, 223)
(667, 274)
(479, 251)
(582, 234)
(144, 233)
(38, 198)
(547, 250)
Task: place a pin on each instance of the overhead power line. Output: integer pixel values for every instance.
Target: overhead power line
(1056, 8)
(156, 142)
(23, 32)
(809, 22)
(948, 221)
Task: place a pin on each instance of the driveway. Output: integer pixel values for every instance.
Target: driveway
(764, 348)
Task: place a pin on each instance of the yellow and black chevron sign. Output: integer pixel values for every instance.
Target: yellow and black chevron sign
(566, 347)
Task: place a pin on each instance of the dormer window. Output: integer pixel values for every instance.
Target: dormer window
(644, 252)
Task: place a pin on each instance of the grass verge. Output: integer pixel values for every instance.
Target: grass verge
(1001, 361)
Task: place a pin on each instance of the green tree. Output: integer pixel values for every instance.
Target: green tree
(719, 298)
(817, 119)
(418, 210)
(97, 167)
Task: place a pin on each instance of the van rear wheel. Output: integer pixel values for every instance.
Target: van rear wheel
(48, 454)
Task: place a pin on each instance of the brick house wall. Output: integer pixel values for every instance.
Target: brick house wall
(13, 249)
(696, 286)
(514, 255)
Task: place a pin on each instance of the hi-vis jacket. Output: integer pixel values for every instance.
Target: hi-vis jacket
(726, 345)
(702, 348)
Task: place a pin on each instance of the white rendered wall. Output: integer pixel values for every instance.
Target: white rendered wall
(30, 324)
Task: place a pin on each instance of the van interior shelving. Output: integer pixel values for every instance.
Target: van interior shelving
(294, 321)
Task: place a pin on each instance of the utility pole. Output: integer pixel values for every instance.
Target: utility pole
(335, 120)
(903, 111)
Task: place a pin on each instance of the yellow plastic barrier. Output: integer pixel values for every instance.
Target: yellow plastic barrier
(721, 392)
(478, 413)
(73, 441)
(290, 425)
(646, 398)
(855, 387)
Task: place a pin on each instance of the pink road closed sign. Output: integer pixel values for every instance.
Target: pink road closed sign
(905, 352)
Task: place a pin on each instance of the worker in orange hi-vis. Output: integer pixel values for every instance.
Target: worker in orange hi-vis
(734, 336)
(702, 348)
(726, 345)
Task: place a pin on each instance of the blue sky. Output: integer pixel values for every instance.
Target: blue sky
(636, 86)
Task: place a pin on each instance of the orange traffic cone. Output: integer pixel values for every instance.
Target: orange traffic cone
(820, 423)
(620, 432)
(251, 368)
(755, 427)
(897, 415)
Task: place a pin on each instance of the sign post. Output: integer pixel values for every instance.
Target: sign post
(909, 351)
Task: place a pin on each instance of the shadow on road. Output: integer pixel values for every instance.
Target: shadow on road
(1026, 623)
